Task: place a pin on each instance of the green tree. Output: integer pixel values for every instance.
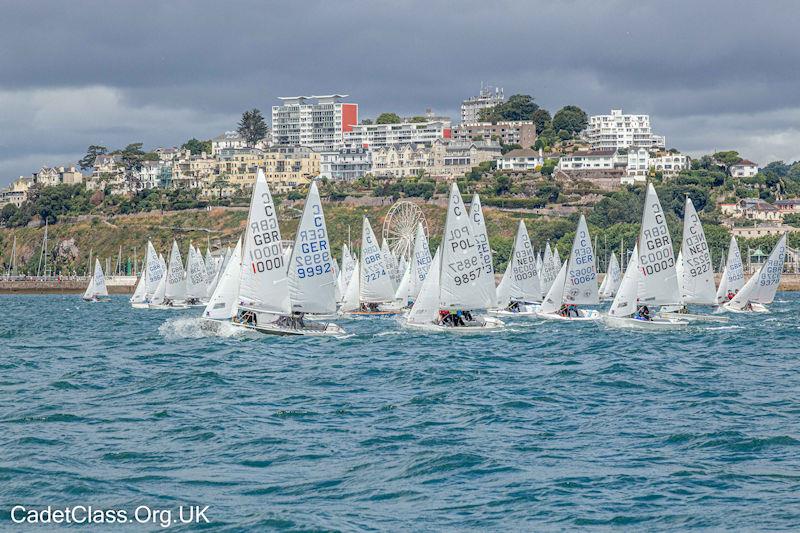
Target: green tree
(502, 184)
(549, 167)
(517, 107)
(197, 147)
(570, 118)
(252, 127)
(87, 161)
(419, 118)
(541, 117)
(388, 118)
(8, 212)
(131, 158)
(727, 158)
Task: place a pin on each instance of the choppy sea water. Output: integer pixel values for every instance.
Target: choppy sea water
(545, 426)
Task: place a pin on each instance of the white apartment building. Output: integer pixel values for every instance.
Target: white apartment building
(521, 160)
(605, 159)
(318, 122)
(488, 97)
(744, 169)
(641, 162)
(606, 132)
(229, 139)
(379, 135)
(347, 164)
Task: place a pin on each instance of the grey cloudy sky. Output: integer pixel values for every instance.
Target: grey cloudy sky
(712, 74)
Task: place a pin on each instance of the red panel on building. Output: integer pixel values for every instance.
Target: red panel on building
(349, 116)
(448, 133)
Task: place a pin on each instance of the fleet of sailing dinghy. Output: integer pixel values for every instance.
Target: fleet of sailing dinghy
(519, 292)
(650, 279)
(96, 291)
(460, 281)
(575, 284)
(760, 289)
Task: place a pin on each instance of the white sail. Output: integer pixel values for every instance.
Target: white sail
(625, 301)
(403, 289)
(88, 294)
(679, 272)
(581, 278)
(376, 283)
(337, 274)
(158, 294)
(154, 270)
(485, 281)
(222, 304)
(504, 287)
(613, 278)
(696, 271)
(524, 278)
(176, 276)
(463, 269)
(140, 293)
(402, 264)
(196, 275)
(351, 300)
(556, 258)
(658, 282)
(548, 271)
(211, 271)
(426, 307)
(312, 283)
(763, 285)
(390, 263)
(263, 286)
(348, 264)
(420, 261)
(733, 275)
(555, 296)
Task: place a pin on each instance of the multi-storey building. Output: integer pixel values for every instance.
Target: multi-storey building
(192, 171)
(592, 160)
(318, 122)
(641, 163)
(607, 132)
(744, 169)
(346, 164)
(228, 140)
(287, 167)
(17, 192)
(523, 159)
(488, 97)
(239, 167)
(521, 132)
(438, 159)
(378, 135)
(50, 176)
(752, 209)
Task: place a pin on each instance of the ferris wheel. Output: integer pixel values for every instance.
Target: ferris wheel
(400, 227)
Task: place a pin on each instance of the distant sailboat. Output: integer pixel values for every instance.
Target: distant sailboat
(548, 271)
(650, 278)
(96, 291)
(174, 295)
(371, 289)
(760, 289)
(612, 279)
(575, 284)
(732, 279)
(519, 292)
(420, 263)
(457, 284)
(196, 276)
(222, 304)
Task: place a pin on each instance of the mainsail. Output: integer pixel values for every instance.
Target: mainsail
(196, 286)
(523, 282)
(548, 270)
(580, 286)
(175, 289)
(763, 285)
(420, 262)
(222, 304)
(463, 265)
(696, 272)
(658, 281)
(733, 274)
(312, 283)
(426, 307)
(486, 281)
(154, 270)
(263, 286)
(376, 282)
(624, 303)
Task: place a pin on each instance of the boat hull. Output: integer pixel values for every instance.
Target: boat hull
(656, 324)
(162, 307)
(693, 318)
(488, 324)
(586, 315)
(527, 310)
(757, 308)
(326, 330)
(140, 305)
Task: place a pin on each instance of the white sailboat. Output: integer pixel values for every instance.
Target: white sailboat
(152, 273)
(548, 271)
(556, 258)
(575, 284)
(196, 275)
(371, 281)
(732, 276)
(346, 273)
(612, 279)
(96, 291)
(222, 304)
(456, 285)
(650, 278)
(174, 296)
(265, 298)
(694, 270)
(760, 289)
(519, 292)
(391, 264)
(485, 282)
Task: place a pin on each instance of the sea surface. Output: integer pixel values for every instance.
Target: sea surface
(546, 426)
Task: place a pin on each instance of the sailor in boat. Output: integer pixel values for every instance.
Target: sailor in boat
(370, 307)
(295, 321)
(514, 307)
(193, 301)
(643, 313)
(247, 318)
(731, 294)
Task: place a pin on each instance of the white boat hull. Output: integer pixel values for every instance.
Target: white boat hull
(756, 308)
(692, 317)
(586, 315)
(529, 310)
(326, 330)
(140, 305)
(484, 325)
(646, 325)
(171, 306)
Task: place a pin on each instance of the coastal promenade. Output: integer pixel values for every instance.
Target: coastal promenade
(65, 285)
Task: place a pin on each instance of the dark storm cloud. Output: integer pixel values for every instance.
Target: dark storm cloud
(75, 73)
